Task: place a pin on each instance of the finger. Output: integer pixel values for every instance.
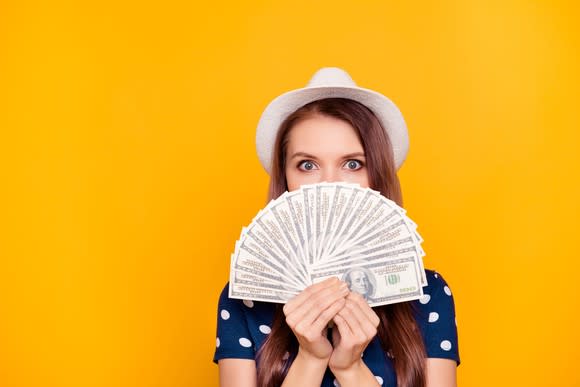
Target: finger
(365, 308)
(316, 308)
(312, 308)
(328, 314)
(367, 325)
(307, 293)
(344, 329)
(348, 313)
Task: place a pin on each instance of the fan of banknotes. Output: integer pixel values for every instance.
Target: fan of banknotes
(329, 230)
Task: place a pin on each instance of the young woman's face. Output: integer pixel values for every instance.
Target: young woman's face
(324, 149)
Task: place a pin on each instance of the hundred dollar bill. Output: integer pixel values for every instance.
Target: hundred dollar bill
(339, 198)
(247, 292)
(380, 283)
(378, 229)
(318, 219)
(372, 256)
(365, 218)
(355, 216)
(369, 251)
(256, 242)
(269, 225)
(412, 227)
(390, 241)
(351, 205)
(403, 213)
(377, 254)
(308, 193)
(285, 218)
(325, 196)
(295, 205)
(317, 229)
(251, 259)
(263, 282)
(391, 227)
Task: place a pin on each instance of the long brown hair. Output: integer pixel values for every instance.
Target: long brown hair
(398, 331)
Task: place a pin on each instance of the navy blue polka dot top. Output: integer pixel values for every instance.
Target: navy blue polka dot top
(242, 327)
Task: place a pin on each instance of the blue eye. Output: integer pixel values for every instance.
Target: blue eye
(354, 165)
(306, 165)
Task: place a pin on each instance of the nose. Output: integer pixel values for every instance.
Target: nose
(331, 175)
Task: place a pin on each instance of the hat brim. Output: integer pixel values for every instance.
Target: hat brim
(282, 106)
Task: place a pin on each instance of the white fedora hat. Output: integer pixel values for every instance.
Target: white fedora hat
(330, 82)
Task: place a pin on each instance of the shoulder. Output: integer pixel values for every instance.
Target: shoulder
(436, 283)
(437, 300)
(437, 318)
(243, 312)
(242, 325)
(232, 337)
(437, 296)
(224, 294)
(228, 305)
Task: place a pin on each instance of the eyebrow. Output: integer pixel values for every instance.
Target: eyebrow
(309, 156)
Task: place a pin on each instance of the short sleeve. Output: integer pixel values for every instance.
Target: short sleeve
(233, 339)
(437, 319)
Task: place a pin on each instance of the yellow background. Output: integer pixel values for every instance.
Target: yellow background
(128, 169)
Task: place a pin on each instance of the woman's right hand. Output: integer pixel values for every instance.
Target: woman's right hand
(309, 313)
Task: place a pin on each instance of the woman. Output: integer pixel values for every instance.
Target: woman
(328, 335)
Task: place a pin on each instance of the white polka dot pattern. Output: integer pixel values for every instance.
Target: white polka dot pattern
(244, 325)
(433, 316)
(446, 345)
(245, 342)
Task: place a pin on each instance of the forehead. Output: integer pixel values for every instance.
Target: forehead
(323, 135)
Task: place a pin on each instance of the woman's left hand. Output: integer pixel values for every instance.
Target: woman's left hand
(357, 325)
